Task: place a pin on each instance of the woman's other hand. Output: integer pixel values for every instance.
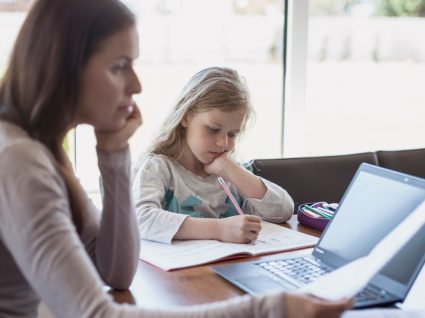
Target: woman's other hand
(306, 306)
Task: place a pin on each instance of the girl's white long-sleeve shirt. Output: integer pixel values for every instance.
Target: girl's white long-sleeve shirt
(161, 185)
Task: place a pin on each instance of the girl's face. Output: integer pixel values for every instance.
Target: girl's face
(108, 83)
(210, 133)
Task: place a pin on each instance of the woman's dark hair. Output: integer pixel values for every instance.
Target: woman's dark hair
(41, 86)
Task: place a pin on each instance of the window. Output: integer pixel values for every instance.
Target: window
(12, 14)
(362, 79)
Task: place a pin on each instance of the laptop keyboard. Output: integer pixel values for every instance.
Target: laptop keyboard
(370, 293)
(305, 270)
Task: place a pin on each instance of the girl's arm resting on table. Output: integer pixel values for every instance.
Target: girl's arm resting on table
(148, 190)
(236, 229)
(276, 206)
(154, 223)
(198, 229)
(261, 197)
(162, 226)
(248, 184)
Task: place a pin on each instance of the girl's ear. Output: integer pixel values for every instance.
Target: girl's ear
(185, 121)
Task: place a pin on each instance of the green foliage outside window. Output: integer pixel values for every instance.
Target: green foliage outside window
(403, 8)
(389, 8)
(65, 145)
(330, 7)
(69, 146)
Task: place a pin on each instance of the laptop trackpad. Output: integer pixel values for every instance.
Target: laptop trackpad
(260, 284)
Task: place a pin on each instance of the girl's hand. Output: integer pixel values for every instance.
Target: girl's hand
(239, 229)
(305, 306)
(220, 165)
(112, 141)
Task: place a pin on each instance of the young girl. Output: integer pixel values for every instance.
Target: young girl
(195, 145)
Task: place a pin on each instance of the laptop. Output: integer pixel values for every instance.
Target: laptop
(375, 202)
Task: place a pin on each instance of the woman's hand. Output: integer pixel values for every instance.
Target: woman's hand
(112, 141)
(239, 229)
(305, 306)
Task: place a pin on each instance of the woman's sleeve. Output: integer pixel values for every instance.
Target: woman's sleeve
(117, 238)
(276, 205)
(149, 189)
(265, 306)
(36, 227)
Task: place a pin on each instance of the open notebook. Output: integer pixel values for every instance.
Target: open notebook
(180, 254)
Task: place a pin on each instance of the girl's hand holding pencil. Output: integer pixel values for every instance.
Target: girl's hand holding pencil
(239, 228)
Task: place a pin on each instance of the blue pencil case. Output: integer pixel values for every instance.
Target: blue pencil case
(310, 219)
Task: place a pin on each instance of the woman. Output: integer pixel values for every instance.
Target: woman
(72, 64)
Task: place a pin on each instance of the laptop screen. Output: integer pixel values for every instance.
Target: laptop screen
(359, 223)
(405, 261)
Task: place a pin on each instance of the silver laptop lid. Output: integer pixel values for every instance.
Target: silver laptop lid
(375, 202)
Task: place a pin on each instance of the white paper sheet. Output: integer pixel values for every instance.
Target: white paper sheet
(348, 280)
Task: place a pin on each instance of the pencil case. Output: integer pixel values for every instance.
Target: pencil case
(317, 222)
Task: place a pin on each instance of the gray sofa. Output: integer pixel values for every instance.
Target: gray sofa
(326, 178)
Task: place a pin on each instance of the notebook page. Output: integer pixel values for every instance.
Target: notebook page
(181, 254)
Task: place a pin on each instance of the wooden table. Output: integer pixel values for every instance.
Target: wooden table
(153, 287)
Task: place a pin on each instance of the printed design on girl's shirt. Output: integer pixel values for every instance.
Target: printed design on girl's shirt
(187, 207)
(231, 211)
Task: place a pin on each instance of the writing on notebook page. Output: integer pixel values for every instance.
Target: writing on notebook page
(273, 236)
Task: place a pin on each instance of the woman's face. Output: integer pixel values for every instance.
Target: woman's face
(108, 82)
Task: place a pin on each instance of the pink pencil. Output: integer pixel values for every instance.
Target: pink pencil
(229, 194)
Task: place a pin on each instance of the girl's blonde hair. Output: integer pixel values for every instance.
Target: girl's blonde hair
(212, 88)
